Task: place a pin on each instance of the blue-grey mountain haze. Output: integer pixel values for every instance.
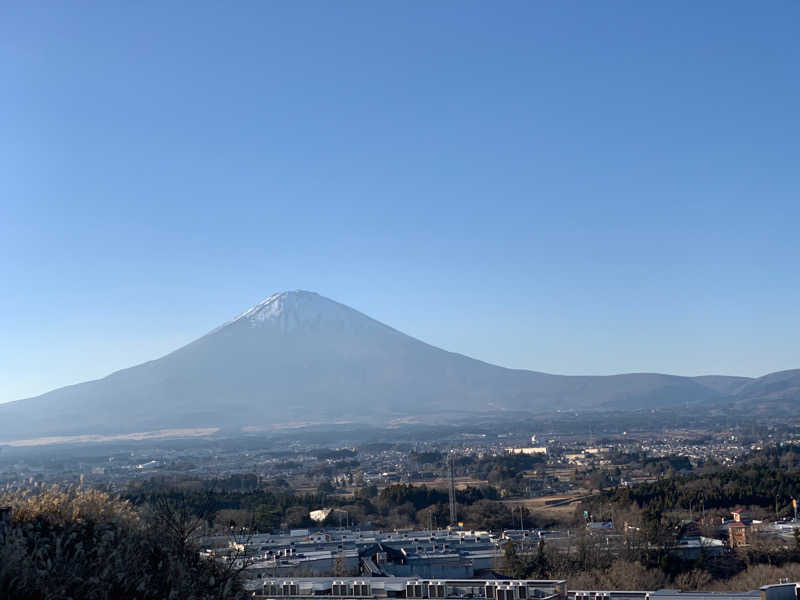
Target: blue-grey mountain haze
(300, 357)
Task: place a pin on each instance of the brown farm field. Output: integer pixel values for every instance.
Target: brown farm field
(563, 508)
(442, 483)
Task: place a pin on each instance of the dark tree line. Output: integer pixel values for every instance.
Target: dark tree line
(766, 477)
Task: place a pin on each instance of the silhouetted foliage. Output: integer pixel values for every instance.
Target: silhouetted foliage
(68, 543)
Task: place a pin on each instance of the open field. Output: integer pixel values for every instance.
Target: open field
(560, 506)
(161, 434)
(461, 482)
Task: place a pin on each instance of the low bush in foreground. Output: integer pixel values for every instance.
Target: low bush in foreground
(70, 543)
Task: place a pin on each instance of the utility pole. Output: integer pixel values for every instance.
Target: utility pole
(776, 507)
(452, 490)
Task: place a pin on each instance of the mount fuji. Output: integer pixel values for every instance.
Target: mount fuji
(300, 357)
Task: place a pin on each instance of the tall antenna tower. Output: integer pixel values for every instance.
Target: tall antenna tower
(452, 490)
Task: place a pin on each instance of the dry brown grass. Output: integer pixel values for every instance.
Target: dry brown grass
(442, 483)
(539, 507)
(60, 505)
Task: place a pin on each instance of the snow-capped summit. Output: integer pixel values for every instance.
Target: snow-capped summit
(284, 303)
(299, 309)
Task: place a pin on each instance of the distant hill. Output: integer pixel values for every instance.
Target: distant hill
(300, 357)
(723, 383)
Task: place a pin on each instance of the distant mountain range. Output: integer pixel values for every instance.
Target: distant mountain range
(300, 357)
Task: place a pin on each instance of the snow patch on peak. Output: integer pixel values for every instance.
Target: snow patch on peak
(300, 310)
(281, 303)
(295, 310)
(307, 311)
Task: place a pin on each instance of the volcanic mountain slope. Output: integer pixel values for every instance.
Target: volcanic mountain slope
(298, 356)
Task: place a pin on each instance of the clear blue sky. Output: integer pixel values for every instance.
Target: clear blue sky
(590, 187)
